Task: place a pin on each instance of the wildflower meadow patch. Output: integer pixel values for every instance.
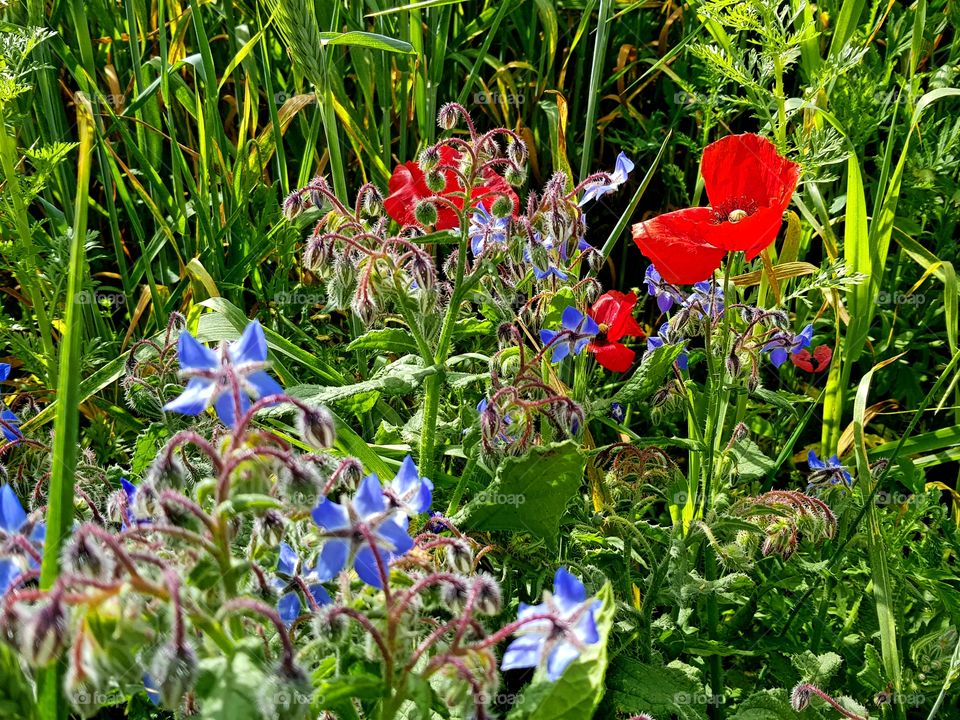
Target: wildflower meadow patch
(538, 361)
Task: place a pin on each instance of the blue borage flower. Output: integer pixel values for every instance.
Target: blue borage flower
(13, 521)
(9, 423)
(130, 518)
(212, 375)
(593, 190)
(665, 337)
(831, 472)
(486, 230)
(667, 295)
(617, 413)
(290, 569)
(578, 330)
(409, 492)
(784, 343)
(705, 300)
(371, 514)
(557, 641)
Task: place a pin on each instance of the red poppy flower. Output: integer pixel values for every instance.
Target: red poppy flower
(613, 312)
(408, 186)
(817, 363)
(749, 185)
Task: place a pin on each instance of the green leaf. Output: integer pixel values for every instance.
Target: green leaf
(230, 688)
(149, 442)
(749, 461)
(393, 340)
(16, 695)
(529, 493)
(766, 705)
(367, 40)
(635, 687)
(577, 692)
(816, 669)
(650, 375)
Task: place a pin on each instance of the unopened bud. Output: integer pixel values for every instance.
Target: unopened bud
(426, 213)
(167, 471)
(316, 427)
(502, 207)
(429, 158)
(271, 527)
(448, 116)
(515, 176)
(293, 205)
(489, 597)
(146, 503)
(459, 557)
(517, 151)
(174, 670)
(372, 201)
(43, 635)
(435, 181)
(800, 697)
(85, 555)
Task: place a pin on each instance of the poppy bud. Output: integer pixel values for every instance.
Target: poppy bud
(174, 669)
(448, 116)
(293, 205)
(459, 557)
(271, 526)
(44, 634)
(515, 176)
(426, 213)
(489, 597)
(429, 158)
(316, 427)
(502, 207)
(517, 151)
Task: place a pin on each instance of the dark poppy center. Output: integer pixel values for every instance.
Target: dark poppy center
(734, 209)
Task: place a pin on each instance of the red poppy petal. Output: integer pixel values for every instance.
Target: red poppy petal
(748, 167)
(615, 357)
(403, 198)
(615, 310)
(802, 360)
(823, 354)
(675, 243)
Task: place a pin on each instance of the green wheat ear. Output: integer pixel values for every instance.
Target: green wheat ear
(297, 22)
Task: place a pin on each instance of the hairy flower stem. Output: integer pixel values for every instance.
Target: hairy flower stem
(434, 383)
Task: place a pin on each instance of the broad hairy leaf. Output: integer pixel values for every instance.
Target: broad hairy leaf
(529, 493)
(650, 375)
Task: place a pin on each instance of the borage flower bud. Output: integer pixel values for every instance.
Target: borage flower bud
(365, 307)
(515, 176)
(733, 364)
(318, 253)
(167, 471)
(502, 207)
(423, 271)
(174, 670)
(293, 205)
(426, 213)
(44, 634)
(429, 158)
(371, 202)
(299, 483)
(271, 527)
(454, 594)
(316, 427)
(146, 502)
(517, 151)
(459, 557)
(449, 116)
(508, 335)
(85, 555)
(489, 597)
(800, 697)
